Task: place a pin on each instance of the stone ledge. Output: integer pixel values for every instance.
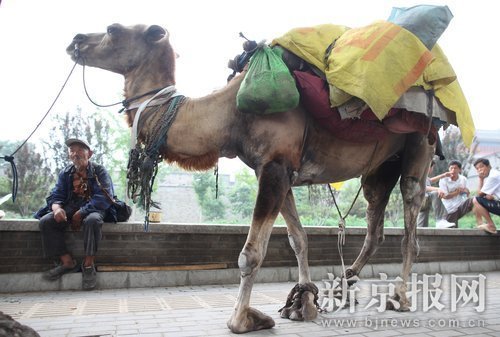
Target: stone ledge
(31, 282)
(187, 228)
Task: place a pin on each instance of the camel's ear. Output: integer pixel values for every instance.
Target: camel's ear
(155, 33)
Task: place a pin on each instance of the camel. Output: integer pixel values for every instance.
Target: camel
(285, 149)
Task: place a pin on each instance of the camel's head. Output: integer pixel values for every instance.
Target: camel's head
(122, 49)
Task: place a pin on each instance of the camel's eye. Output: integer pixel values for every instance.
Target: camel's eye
(113, 29)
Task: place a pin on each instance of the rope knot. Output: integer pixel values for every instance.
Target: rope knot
(10, 159)
(342, 224)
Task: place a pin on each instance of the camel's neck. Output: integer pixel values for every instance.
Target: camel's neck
(138, 85)
(155, 72)
(201, 131)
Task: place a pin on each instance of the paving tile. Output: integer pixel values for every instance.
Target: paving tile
(204, 311)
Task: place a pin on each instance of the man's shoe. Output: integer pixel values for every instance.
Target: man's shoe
(58, 271)
(89, 277)
(444, 224)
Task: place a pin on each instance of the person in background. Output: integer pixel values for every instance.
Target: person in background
(79, 200)
(433, 197)
(488, 199)
(456, 194)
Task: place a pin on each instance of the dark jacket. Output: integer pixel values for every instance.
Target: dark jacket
(62, 193)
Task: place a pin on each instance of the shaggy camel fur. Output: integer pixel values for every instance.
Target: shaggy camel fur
(277, 148)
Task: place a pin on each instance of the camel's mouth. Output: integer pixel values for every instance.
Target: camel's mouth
(73, 50)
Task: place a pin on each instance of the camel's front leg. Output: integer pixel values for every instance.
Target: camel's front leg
(273, 185)
(302, 302)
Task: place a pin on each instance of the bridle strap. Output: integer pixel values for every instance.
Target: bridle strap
(142, 107)
(125, 102)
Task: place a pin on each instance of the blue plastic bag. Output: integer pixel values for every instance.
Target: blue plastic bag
(427, 22)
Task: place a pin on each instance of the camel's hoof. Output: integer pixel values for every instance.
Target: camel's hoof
(249, 320)
(302, 303)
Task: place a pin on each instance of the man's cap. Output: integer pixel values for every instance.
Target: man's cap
(72, 141)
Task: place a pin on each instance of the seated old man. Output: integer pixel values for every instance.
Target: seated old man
(79, 199)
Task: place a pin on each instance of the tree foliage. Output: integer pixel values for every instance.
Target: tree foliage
(34, 179)
(243, 194)
(96, 131)
(453, 149)
(108, 139)
(204, 185)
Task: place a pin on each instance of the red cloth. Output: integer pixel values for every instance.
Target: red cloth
(315, 98)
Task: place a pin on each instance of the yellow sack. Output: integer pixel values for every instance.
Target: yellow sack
(452, 97)
(377, 63)
(440, 76)
(310, 43)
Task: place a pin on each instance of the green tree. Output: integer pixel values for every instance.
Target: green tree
(96, 131)
(109, 141)
(204, 186)
(243, 195)
(34, 179)
(315, 205)
(453, 149)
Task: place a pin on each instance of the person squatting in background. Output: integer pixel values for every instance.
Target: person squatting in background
(488, 199)
(456, 198)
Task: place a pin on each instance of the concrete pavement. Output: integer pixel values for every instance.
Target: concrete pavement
(204, 310)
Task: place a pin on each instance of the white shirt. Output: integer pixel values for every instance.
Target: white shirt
(491, 184)
(448, 185)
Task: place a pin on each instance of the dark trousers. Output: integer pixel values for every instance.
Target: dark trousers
(52, 232)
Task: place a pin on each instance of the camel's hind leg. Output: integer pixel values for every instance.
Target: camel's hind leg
(302, 300)
(416, 158)
(377, 189)
(274, 183)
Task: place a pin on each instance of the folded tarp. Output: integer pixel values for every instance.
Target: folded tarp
(311, 43)
(377, 63)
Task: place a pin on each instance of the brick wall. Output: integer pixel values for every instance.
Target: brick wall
(174, 245)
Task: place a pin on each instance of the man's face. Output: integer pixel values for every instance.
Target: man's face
(455, 171)
(482, 170)
(79, 155)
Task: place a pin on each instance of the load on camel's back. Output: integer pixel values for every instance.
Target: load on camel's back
(356, 90)
(286, 149)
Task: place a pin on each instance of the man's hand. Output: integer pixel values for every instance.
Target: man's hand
(441, 193)
(60, 215)
(76, 221)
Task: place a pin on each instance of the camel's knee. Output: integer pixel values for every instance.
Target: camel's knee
(411, 189)
(249, 260)
(298, 243)
(375, 239)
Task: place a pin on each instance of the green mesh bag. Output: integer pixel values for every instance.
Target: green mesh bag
(268, 86)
